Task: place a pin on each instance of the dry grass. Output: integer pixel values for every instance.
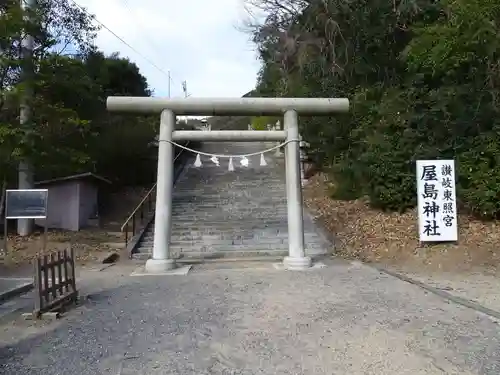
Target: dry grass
(374, 236)
(89, 246)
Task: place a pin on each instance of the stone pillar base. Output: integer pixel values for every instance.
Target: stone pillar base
(159, 265)
(297, 264)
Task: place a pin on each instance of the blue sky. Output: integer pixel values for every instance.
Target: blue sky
(196, 40)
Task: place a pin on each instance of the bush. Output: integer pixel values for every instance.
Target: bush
(478, 172)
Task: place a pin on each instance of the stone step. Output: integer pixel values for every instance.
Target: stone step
(198, 227)
(220, 203)
(196, 255)
(222, 206)
(222, 214)
(248, 252)
(216, 198)
(200, 247)
(250, 181)
(228, 181)
(236, 247)
(220, 248)
(266, 242)
(238, 218)
(226, 188)
(226, 236)
(237, 223)
(225, 227)
(216, 201)
(201, 229)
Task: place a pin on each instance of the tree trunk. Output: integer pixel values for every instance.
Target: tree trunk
(3, 247)
(2, 197)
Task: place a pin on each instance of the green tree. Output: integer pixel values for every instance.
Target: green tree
(52, 23)
(423, 80)
(71, 132)
(86, 137)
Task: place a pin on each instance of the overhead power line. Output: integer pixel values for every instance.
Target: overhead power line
(152, 44)
(152, 63)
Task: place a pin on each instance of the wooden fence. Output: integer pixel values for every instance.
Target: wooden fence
(54, 281)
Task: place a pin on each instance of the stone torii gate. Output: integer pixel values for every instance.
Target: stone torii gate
(169, 108)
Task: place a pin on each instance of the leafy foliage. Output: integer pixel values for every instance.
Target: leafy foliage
(423, 78)
(261, 122)
(70, 130)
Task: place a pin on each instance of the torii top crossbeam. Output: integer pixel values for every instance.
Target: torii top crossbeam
(228, 106)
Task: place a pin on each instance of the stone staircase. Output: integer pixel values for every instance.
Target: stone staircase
(219, 213)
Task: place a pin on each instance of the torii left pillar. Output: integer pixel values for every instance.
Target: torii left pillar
(162, 260)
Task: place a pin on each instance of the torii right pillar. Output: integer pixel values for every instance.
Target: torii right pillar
(296, 259)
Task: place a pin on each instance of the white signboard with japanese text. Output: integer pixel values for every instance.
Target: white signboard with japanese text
(437, 206)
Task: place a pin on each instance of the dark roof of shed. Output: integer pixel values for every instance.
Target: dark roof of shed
(80, 176)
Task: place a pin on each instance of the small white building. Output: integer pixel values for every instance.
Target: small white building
(72, 201)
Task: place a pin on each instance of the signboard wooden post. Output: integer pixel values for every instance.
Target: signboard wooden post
(437, 206)
(26, 204)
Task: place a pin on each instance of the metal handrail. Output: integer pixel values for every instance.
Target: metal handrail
(131, 217)
(139, 205)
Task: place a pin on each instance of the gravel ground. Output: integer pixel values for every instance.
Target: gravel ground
(342, 319)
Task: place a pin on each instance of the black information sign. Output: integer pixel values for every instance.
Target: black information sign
(26, 204)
